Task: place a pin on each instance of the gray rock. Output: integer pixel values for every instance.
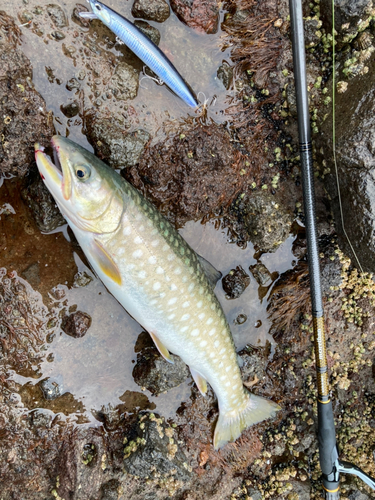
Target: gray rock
(150, 31)
(43, 207)
(57, 15)
(351, 17)
(303, 489)
(355, 153)
(267, 223)
(225, 74)
(152, 10)
(235, 283)
(50, 389)
(358, 495)
(312, 37)
(151, 451)
(156, 374)
(114, 144)
(253, 494)
(81, 279)
(110, 490)
(125, 81)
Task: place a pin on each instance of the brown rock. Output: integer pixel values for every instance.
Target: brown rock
(152, 10)
(77, 324)
(202, 15)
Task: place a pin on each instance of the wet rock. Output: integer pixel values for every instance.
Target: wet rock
(25, 16)
(302, 489)
(156, 374)
(225, 74)
(110, 490)
(355, 152)
(151, 451)
(113, 144)
(235, 283)
(261, 274)
(50, 389)
(32, 274)
(351, 17)
(330, 270)
(150, 31)
(152, 10)
(73, 84)
(358, 495)
(57, 35)
(77, 18)
(24, 119)
(57, 15)
(312, 33)
(254, 363)
(42, 205)
(76, 324)
(81, 279)
(202, 15)
(267, 223)
(71, 109)
(184, 177)
(125, 81)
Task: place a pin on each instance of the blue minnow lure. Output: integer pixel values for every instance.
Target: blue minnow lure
(144, 48)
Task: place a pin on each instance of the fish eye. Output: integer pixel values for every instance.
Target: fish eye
(83, 172)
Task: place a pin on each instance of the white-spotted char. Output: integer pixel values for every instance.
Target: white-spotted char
(155, 275)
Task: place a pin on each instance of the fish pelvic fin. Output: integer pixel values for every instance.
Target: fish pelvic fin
(199, 380)
(161, 348)
(229, 426)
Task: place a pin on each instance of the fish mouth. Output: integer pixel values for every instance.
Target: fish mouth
(54, 173)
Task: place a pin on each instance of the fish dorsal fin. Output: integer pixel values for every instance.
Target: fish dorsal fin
(161, 348)
(199, 380)
(212, 274)
(105, 262)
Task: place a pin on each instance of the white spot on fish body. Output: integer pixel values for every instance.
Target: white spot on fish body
(172, 301)
(227, 384)
(221, 364)
(201, 316)
(154, 301)
(171, 316)
(222, 350)
(127, 230)
(120, 251)
(162, 295)
(142, 274)
(184, 329)
(199, 304)
(173, 287)
(177, 270)
(213, 307)
(185, 279)
(235, 387)
(203, 343)
(201, 290)
(155, 243)
(209, 321)
(141, 228)
(212, 354)
(186, 304)
(191, 287)
(216, 343)
(195, 332)
(152, 259)
(227, 368)
(165, 248)
(159, 270)
(185, 317)
(223, 377)
(156, 286)
(138, 240)
(137, 254)
(212, 332)
(171, 256)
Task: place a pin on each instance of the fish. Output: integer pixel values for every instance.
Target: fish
(144, 48)
(155, 275)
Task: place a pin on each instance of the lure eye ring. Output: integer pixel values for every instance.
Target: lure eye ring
(98, 6)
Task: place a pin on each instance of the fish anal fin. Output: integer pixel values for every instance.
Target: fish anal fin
(106, 262)
(199, 380)
(161, 348)
(212, 274)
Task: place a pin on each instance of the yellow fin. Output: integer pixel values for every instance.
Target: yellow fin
(161, 348)
(199, 380)
(229, 426)
(105, 262)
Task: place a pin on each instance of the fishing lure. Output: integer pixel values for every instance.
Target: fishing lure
(144, 48)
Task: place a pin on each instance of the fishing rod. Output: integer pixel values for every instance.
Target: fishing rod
(330, 463)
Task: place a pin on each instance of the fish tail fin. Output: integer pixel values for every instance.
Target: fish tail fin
(229, 427)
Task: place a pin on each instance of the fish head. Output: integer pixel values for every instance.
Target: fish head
(86, 190)
(101, 12)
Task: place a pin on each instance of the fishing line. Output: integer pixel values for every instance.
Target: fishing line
(334, 134)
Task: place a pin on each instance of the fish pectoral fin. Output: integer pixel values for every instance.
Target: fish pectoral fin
(199, 380)
(106, 262)
(161, 348)
(212, 274)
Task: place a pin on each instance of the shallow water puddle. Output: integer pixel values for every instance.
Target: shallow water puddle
(96, 371)
(79, 67)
